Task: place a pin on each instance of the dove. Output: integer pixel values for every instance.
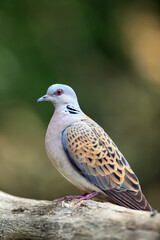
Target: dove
(86, 156)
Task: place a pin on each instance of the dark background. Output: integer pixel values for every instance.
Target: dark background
(109, 53)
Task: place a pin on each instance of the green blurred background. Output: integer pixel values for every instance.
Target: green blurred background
(109, 53)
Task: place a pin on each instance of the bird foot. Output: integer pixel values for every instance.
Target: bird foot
(79, 198)
(87, 196)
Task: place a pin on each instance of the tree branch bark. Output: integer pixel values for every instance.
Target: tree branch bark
(31, 219)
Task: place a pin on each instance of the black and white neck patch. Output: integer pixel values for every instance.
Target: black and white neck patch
(72, 109)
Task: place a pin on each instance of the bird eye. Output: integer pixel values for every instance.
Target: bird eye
(59, 92)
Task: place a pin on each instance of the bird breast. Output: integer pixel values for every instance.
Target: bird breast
(58, 157)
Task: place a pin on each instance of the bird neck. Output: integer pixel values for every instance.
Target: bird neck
(64, 116)
(68, 110)
(72, 109)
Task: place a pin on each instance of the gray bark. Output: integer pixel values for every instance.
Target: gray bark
(31, 219)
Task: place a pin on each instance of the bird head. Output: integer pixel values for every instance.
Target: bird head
(60, 94)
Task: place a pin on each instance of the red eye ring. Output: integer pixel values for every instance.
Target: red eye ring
(59, 92)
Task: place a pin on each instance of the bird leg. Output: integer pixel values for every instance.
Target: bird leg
(87, 196)
(79, 198)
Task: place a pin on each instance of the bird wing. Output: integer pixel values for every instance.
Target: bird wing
(97, 158)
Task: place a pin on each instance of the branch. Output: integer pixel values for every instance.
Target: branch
(31, 219)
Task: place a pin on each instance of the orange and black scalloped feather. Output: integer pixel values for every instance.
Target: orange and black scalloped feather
(97, 158)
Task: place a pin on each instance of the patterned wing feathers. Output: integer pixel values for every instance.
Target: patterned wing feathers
(96, 157)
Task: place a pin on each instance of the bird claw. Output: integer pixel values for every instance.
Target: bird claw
(68, 198)
(86, 196)
(59, 199)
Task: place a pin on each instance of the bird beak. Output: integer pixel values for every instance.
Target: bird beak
(44, 98)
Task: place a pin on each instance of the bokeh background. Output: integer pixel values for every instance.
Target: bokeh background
(109, 53)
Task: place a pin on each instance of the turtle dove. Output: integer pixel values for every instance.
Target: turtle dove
(86, 156)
